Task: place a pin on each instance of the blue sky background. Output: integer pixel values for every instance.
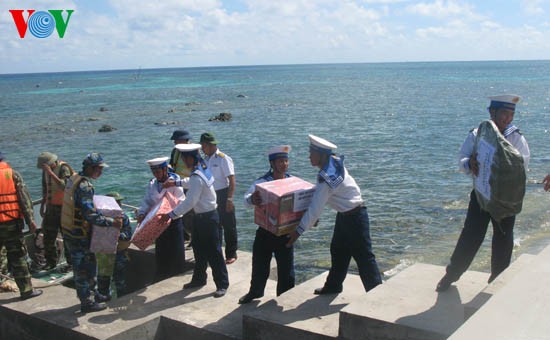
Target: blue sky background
(129, 34)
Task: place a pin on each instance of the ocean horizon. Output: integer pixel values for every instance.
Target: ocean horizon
(399, 125)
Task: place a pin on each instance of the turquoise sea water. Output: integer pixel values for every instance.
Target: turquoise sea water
(399, 125)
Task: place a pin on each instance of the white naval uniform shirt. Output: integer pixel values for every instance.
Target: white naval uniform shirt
(221, 167)
(516, 139)
(345, 197)
(200, 197)
(154, 193)
(248, 194)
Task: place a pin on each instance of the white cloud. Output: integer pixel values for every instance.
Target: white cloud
(442, 9)
(533, 7)
(175, 33)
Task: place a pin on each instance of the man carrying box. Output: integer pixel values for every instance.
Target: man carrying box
(77, 216)
(266, 243)
(169, 247)
(351, 236)
(201, 197)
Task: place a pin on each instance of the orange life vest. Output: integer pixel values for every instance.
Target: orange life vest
(9, 202)
(55, 191)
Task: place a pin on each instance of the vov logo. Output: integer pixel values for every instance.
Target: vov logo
(42, 23)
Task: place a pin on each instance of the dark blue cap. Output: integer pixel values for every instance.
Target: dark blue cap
(181, 134)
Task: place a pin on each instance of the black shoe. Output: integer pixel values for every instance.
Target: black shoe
(193, 285)
(99, 298)
(326, 290)
(248, 298)
(444, 284)
(31, 294)
(220, 292)
(92, 307)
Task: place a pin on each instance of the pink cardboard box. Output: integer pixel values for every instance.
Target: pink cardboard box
(151, 227)
(284, 201)
(107, 206)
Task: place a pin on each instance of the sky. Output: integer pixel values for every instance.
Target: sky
(132, 34)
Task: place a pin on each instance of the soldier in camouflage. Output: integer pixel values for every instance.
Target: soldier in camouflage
(15, 211)
(54, 176)
(77, 216)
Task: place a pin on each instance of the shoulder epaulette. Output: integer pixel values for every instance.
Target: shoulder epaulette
(221, 154)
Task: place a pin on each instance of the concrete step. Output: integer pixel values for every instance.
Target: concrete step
(159, 311)
(407, 306)
(299, 314)
(519, 310)
(473, 306)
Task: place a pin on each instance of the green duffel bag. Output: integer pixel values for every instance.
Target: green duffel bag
(500, 185)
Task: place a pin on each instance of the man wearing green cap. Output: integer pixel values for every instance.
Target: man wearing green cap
(221, 166)
(55, 173)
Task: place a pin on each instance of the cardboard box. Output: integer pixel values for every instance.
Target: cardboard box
(104, 239)
(107, 206)
(151, 227)
(284, 201)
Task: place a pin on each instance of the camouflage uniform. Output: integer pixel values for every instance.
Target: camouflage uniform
(3, 263)
(83, 261)
(51, 224)
(119, 261)
(11, 236)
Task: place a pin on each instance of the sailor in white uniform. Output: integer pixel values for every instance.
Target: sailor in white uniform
(201, 197)
(267, 244)
(351, 237)
(169, 247)
(501, 110)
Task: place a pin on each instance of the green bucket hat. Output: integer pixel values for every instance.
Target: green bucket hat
(208, 137)
(45, 158)
(115, 195)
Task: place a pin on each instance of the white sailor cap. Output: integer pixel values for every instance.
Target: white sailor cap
(506, 101)
(321, 145)
(160, 162)
(188, 147)
(279, 151)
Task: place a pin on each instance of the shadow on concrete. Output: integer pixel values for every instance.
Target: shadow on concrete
(444, 317)
(136, 307)
(66, 317)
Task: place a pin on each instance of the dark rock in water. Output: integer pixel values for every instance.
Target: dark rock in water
(93, 119)
(191, 103)
(37, 85)
(171, 110)
(241, 96)
(102, 109)
(222, 117)
(106, 128)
